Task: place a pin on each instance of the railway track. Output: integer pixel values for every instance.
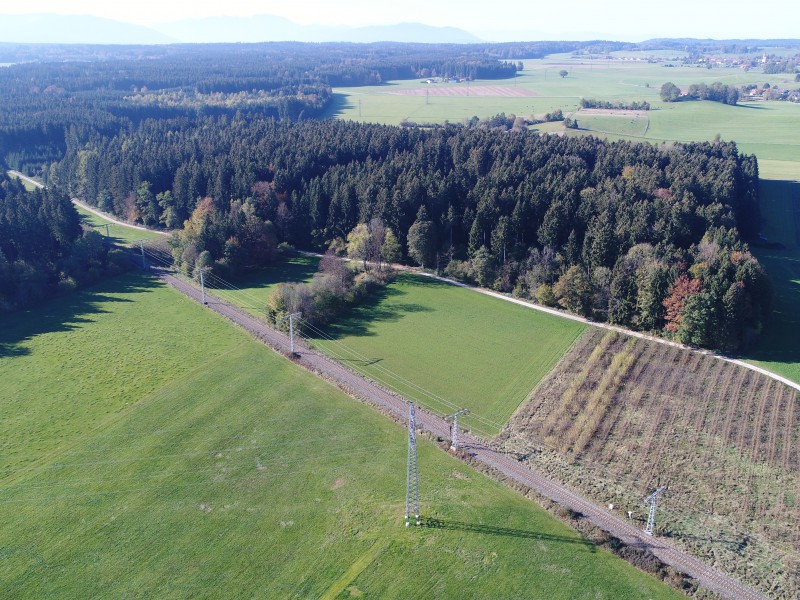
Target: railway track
(396, 406)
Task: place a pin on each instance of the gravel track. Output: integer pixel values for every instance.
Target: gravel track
(397, 407)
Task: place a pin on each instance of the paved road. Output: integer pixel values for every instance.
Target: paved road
(397, 407)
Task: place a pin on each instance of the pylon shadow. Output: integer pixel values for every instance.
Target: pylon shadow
(503, 531)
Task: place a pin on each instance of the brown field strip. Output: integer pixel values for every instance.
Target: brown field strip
(618, 416)
(462, 90)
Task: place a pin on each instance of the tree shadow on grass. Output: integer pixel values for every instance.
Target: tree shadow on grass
(503, 531)
(376, 308)
(300, 269)
(778, 342)
(67, 312)
(338, 105)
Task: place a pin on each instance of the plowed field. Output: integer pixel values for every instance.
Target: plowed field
(621, 416)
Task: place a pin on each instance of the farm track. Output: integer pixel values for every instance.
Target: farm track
(397, 407)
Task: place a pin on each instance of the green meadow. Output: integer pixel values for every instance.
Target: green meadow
(450, 348)
(118, 234)
(150, 449)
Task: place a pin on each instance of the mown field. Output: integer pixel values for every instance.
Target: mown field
(621, 416)
(449, 348)
(149, 449)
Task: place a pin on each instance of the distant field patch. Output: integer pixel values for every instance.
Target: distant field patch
(465, 91)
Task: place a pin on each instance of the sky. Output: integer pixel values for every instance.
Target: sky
(494, 21)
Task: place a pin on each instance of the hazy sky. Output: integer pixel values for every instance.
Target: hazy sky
(509, 19)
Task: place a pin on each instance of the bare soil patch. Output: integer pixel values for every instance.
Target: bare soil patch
(621, 416)
(462, 90)
(613, 112)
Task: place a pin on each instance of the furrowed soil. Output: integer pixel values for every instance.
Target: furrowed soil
(619, 417)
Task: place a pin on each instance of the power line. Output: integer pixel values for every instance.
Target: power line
(434, 399)
(412, 384)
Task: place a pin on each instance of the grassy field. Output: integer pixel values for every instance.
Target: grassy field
(779, 347)
(450, 348)
(622, 416)
(252, 290)
(152, 450)
(119, 234)
(763, 128)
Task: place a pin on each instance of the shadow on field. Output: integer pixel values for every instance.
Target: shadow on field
(101, 229)
(65, 313)
(339, 103)
(503, 531)
(294, 268)
(778, 342)
(738, 544)
(380, 306)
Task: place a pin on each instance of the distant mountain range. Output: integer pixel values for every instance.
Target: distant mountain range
(73, 29)
(45, 28)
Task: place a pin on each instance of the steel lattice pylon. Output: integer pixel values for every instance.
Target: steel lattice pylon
(454, 427)
(651, 516)
(412, 472)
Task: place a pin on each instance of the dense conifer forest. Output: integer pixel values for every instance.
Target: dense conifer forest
(43, 248)
(649, 237)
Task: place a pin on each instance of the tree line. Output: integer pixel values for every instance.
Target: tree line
(608, 105)
(716, 92)
(645, 236)
(43, 248)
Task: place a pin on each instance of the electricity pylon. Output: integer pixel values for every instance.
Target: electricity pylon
(454, 428)
(291, 317)
(412, 472)
(201, 271)
(651, 517)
